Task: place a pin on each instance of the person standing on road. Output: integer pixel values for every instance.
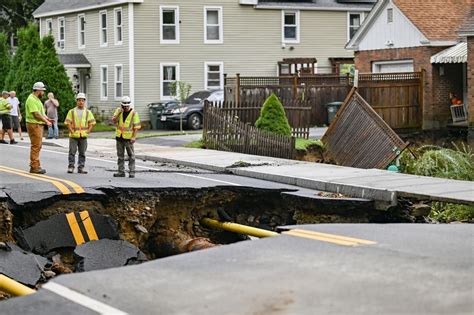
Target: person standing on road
(80, 122)
(51, 107)
(127, 124)
(35, 120)
(15, 113)
(5, 110)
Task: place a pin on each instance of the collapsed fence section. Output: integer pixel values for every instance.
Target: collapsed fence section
(225, 132)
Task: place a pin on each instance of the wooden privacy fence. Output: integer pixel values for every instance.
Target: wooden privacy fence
(358, 137)
(396, 97)
(297, 112)
(226, 133)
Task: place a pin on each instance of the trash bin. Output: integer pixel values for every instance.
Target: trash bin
(155, 110)
(332, 109)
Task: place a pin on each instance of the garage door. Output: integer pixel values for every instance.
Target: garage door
(393, 66)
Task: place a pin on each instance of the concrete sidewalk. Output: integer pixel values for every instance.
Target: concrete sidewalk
(382, 186)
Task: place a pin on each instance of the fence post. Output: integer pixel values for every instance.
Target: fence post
(421, 97)
(237, 89)
(295, 87)
(356, 78)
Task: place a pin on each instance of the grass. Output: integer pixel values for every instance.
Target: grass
(303, 144)
(103, 127)
(435, 161)
(198, 144)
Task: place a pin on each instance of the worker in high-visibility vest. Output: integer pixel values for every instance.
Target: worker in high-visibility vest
(80, 122)
(127, 124)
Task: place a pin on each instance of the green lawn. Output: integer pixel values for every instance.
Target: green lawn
(303, 144)
(103, 127)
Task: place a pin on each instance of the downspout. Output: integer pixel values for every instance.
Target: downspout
(131, 51)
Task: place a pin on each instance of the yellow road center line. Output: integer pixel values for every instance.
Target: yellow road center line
(73, 185)
(337, 237)
(319, 238)
(74, 225)
(60, 186)
(89, 226)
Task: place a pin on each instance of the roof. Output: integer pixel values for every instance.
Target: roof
(438, 20)
(57, 7)
(455, 54)
(74, 61)
(343, 5)
(467, 28)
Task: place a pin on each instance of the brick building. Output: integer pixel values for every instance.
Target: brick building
(406, 36)
(467, 30)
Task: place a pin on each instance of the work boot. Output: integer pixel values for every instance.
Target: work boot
(3, 141)
(81, 170)
(38, 170)
(119, 174)
(70, 169)
(131, 175)
(13, 141)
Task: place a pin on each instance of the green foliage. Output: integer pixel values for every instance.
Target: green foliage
(17, 13)
(439, 162)
(53, 74)
(198, 144)
(37, 60)
(5, 59)
(273, 118)
(181, 90)
(445, 163)
(304, 144)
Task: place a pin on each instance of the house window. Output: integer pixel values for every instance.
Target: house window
(81, 30)
(103, 28)
(118, 81)
(355, 21)
(118, 26)
(389, 15)
(104, 85)
(214, 72)
(213, 25)
(291, 26)
(169, 74)
(49, 26)
(169, 25)
(61, 33)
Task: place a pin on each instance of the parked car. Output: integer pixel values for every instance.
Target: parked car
(191, 110)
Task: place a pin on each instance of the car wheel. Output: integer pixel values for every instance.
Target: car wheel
(194, 121)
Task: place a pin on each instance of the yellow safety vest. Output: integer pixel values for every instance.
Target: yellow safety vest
(80, 127)
(125, 128)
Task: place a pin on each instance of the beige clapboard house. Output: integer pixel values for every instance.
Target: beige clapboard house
(138, 47)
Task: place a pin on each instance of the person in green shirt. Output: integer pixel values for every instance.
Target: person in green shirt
(35, 120)
(5, 109)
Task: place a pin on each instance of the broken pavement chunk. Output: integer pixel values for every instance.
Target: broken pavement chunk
(105, 253)
(66, 230)
(21, 265)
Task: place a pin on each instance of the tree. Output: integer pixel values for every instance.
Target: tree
(273, 118)
(15, 14)
(180, 90)
(52, 73)
(4, 59)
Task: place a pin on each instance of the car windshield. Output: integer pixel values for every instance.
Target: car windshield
(197, 97)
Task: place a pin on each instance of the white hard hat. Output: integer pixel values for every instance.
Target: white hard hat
(80, 95)
(126, 101)
(39, 86)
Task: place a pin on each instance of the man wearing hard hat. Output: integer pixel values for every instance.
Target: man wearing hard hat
(5, 111)
(80, 122)
(127, 124)
(35, 120)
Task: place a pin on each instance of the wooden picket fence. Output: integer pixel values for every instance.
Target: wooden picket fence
(225, 132)
(297, 112)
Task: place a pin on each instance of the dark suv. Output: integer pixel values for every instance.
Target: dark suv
(191, 110)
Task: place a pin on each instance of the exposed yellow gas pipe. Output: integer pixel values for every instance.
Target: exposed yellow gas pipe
(14, 288)
(237, 228)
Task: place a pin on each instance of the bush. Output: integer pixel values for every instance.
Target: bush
(4, 59)
(272, 117)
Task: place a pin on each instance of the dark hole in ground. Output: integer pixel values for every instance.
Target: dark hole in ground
(164, 222)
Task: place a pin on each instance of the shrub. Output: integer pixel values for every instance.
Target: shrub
(4, 59)
(272, 117)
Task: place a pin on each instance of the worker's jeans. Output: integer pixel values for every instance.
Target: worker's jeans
(35, 132)
(123, 145)
(53, 131)
(74, 144)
